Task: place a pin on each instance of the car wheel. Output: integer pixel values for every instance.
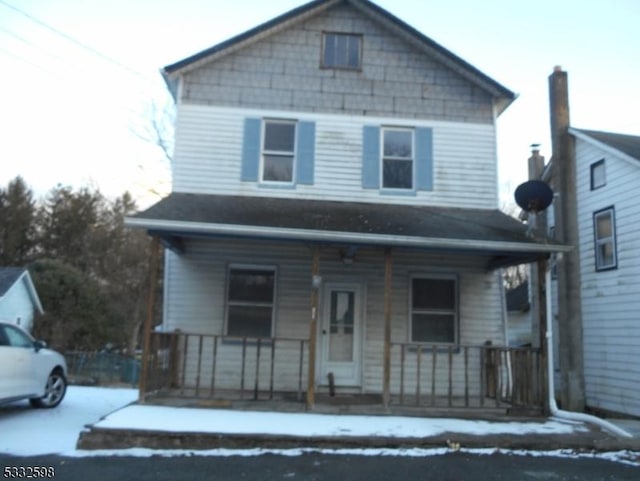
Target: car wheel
(54, 391)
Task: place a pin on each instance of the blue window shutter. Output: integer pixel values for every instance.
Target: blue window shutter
(305, 152)
(424, 159)
(371, 157)
(251, 150)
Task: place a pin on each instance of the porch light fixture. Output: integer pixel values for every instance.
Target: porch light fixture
(348, 255)
(316, 282)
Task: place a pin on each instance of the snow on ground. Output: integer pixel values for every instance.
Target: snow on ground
(194, 420)
(25, 431)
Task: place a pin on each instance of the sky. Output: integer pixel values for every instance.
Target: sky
(80, 78)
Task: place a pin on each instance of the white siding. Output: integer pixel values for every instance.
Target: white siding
(610, 299)
(209, 146)
(195, 302)
(16, 306)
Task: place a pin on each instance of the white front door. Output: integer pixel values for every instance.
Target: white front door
(341, 334)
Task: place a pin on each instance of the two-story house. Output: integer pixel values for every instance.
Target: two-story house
(333, 225)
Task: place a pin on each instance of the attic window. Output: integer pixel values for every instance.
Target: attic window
(598, 175)
(341, 50)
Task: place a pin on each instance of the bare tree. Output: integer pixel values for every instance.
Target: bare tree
(157, 129)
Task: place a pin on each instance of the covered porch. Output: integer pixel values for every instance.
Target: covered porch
(361, 256)
(423, 377)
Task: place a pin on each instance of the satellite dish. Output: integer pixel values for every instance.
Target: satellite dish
(534, 195)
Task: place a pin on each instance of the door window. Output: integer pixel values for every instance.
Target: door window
(341, 325)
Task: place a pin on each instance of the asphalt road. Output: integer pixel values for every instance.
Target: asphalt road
(307, 467)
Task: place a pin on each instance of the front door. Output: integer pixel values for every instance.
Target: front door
(341, 331)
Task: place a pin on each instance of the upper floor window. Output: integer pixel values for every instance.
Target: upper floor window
(598, 174)
(434, 309)
(250, 301)
(604, 228)
(278, 150)
(341, 50)
(397, 158)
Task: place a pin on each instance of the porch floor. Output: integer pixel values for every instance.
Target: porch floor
(363, 404)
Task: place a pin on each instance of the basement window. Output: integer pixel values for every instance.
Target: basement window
(341, 50)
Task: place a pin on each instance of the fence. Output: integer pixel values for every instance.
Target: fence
(96, 367)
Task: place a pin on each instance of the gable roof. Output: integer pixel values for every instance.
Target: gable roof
(624, 143)
(474, 231)
(9, 276)
(503, 96)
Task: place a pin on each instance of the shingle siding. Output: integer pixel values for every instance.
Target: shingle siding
(283, 72)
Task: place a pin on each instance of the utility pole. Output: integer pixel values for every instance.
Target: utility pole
(571, 359)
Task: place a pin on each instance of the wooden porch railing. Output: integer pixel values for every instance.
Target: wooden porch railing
(197, 365)
(466, 376)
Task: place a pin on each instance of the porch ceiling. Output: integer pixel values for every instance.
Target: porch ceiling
(480, 231)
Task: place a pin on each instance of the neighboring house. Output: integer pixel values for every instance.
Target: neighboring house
(519, 322)
(333, 225)
(607, 180)
(19, 300)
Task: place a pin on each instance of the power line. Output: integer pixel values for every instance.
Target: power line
(33, 45)
(78, 43)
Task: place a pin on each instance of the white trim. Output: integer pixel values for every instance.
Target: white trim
(319, 117)
(264, 152)
(412, 159)
(340, 236)
(358, 288)
(605, 147)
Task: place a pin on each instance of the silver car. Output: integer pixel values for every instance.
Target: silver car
(28, 370)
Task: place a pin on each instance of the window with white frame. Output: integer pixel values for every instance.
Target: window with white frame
(397, 158)
(341, 50)
(604, 229)
(598, 174)
(434, 309)
(278, 150)
(250, 301)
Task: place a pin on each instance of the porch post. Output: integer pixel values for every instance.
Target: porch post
(154, 252)
(386, 379)
(313, 327)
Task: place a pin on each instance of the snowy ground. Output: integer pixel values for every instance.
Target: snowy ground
(29, 432)
(26, 431)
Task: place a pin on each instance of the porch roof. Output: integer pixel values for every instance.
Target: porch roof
(480, 231)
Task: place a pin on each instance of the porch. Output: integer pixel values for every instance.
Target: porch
(351, 303)
(191, 370)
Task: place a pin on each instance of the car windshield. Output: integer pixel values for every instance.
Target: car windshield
(14, 337)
